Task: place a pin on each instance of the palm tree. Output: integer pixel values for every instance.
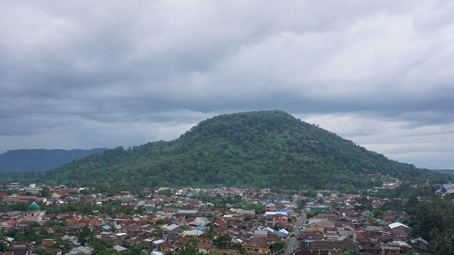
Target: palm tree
(434, 239)
(158, 229)
(450, 241)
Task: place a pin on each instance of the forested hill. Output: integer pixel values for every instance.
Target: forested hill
(39, 159)
(256, 149)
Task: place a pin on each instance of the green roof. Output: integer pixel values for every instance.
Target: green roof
(367, 213)
(34, 207)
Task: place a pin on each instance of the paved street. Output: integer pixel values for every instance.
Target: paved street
(293, 243)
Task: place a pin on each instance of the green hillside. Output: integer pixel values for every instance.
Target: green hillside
(255, 149)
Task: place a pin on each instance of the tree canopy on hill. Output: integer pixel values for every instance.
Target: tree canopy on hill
(252, 149)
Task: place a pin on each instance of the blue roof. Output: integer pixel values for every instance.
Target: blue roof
(284, 211)
(279, 233)
(270, 204)
(200, 228)
(106, 227)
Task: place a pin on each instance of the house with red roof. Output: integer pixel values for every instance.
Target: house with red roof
(59, 193)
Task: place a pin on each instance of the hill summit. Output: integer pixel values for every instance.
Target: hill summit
(256, 149)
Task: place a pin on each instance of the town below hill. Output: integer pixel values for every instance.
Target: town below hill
(392, 219)
(245, 183)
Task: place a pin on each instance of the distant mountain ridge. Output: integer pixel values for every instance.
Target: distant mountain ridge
(40, 159)
(249, 149)
(444, 171)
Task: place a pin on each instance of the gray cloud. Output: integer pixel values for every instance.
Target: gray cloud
(86, 74)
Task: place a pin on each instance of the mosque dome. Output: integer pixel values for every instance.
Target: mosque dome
(34, 207)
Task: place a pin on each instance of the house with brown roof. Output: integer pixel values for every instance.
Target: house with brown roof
(310, 251)
(204, 247)
(340, 245)
(258, 245)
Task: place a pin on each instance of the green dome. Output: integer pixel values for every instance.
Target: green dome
(34, 207)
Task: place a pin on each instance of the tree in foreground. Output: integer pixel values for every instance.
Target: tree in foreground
(190, 247)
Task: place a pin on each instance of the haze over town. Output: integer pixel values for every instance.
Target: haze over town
(107, 73)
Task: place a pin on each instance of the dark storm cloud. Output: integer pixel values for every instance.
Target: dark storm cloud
(93, 74)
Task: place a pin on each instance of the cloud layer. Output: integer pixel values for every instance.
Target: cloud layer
(85, 74)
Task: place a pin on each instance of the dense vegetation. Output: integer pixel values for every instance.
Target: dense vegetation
(432, 220)
(259, 149)
(40, 159)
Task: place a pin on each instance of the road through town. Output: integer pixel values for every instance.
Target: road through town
(292, 242)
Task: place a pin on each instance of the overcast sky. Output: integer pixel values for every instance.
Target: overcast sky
(85, 74)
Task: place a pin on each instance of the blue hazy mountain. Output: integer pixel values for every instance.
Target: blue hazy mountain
(25, 160)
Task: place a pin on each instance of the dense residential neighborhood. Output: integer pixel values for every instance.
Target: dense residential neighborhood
(38, 219)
